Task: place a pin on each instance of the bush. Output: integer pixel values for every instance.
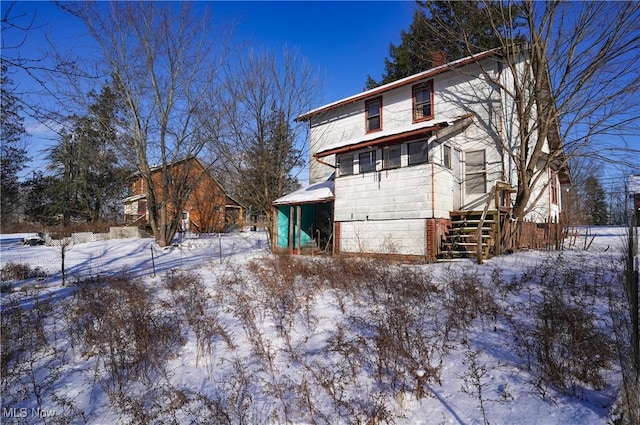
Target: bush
(117, 321)
(20, 271)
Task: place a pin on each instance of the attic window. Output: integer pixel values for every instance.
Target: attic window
(373, 112)
(423, 101)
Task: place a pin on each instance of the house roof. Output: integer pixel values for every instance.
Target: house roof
(315, 193)
(378, 139)
(205, 167)
(384, 138)
(398, 83)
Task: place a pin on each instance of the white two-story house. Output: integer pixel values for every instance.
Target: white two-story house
(392, 169)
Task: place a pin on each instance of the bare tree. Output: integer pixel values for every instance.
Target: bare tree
(260, 145)
(164, 59)
(577, 97)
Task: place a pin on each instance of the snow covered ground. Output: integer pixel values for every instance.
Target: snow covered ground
(272, 340)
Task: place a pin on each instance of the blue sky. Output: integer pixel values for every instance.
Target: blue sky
(344, 41)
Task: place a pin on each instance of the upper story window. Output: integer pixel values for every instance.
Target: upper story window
(391, 157)
(423, 101)
(418, 152)
(367, 161)
(373, 113)
(345, 164)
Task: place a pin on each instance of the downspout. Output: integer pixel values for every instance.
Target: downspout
(315, 156)
(433, 192)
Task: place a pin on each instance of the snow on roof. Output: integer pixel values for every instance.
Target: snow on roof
(398, 83)
(318, 192)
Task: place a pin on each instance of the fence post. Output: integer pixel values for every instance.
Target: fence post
(153, 261)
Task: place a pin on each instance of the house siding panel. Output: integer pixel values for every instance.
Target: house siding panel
(403, 237)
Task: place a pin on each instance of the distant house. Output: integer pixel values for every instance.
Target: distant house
(634, 195)
(208, 208)
(413, 168)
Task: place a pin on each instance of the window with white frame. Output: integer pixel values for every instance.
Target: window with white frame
(475, 172)
(446, 156)
(418, 152)
(367, 161)
(391, 157)
(345, 164)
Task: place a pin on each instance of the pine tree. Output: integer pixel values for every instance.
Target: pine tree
(433, 37)
(13, 157)
(85, 162)
(595, 204)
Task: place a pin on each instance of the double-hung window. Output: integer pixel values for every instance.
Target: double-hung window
(391, 157)
(446, 156)
(373, 112)
(423, 101)
(367, 161)
(345, 164)
(418, 152)
(476, 172)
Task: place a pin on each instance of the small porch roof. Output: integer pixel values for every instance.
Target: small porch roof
(312, 194)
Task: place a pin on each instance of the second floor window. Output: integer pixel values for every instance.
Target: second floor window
(423, 101)
(373, 112)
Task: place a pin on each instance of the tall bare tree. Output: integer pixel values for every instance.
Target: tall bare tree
(260, 146)
(579, 94)
(164, 59)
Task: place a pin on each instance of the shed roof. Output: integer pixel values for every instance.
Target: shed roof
(315, 193)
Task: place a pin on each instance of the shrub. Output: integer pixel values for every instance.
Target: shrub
(117, 320)
(20, 271)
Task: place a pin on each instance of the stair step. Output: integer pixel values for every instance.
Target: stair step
(467, 229)
(467, 236)
(488, 221)
(463, 244)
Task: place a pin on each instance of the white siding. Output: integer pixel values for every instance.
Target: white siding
(402, 193)
(405, 237)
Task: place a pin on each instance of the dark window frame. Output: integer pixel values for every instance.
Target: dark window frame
(418, 105)
(369, 119)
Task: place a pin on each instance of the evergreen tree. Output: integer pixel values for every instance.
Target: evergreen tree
(13, 157)
(595, 204)
(85, 162)
(434, 35)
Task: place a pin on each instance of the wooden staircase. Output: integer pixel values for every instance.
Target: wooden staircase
(469, 235)
(479, 234)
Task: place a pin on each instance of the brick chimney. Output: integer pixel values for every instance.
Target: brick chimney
(438, 58)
